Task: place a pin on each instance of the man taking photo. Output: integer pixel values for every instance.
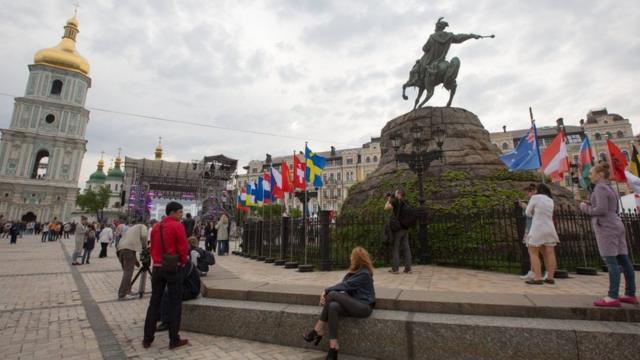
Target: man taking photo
(395, 204)
(168, 241)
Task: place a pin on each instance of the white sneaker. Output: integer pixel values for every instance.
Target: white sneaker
(530, 276)
(544, 277)
(128, 297)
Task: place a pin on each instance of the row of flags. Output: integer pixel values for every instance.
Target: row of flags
(273, 184)
(554, 161)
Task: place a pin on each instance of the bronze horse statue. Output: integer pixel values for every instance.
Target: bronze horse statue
(446, 75)
(432, 69)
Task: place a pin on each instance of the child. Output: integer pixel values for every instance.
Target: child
(89, 244)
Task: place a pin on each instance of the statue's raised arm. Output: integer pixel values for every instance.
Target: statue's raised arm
(433, 69)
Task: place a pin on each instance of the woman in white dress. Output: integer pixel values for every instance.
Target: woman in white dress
(542, 237)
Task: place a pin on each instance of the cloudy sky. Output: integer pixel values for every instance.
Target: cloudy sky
(327, 71)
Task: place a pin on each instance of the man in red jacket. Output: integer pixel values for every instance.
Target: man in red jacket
(174, 240)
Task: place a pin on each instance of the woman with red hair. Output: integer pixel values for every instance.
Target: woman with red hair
(354, 296)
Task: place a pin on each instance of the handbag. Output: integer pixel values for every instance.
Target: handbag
(169, 262)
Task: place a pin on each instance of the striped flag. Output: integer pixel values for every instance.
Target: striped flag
(554, 159)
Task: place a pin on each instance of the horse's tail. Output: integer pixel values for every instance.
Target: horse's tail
(404, 88)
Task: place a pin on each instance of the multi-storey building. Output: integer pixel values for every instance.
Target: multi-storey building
(599, 126)
(343, 169)
(42, 150)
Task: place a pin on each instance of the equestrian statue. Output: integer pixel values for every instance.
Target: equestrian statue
(432, 69)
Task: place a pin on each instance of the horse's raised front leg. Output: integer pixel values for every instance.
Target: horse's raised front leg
(452, 92)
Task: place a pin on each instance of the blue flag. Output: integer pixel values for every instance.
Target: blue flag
(526, 155)
(315, 164)
(259, 192)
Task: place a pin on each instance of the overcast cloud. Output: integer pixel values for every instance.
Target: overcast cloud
(324, 70)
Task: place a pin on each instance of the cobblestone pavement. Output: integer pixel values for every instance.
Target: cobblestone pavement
(434, 278)
(49, 310)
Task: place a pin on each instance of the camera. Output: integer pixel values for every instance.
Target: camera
(145, 258)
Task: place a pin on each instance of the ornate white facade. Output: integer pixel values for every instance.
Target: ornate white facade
(42, 150)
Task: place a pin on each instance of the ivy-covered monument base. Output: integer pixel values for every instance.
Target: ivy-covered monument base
(470, 175)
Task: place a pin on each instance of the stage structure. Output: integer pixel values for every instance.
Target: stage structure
(203, 181)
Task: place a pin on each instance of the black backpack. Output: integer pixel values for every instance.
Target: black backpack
(205, 259)
(408, 215)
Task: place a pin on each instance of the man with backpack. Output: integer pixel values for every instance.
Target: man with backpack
(402, 218)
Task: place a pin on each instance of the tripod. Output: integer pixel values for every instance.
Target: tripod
(142, 274)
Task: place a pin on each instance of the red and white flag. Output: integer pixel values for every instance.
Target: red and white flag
(287, 187)
(276, 184)
(554, 159)
(299, 170)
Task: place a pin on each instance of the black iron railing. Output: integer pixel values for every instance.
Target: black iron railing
(489, 239)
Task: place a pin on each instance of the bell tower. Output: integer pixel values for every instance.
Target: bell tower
(42, 150)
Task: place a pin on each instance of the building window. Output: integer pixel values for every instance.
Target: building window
(367, 160)
(50, 118)
(350, 161)
(338, 176)
(576, 159)
(41, 165)
(505, 146)
(598, 136)
(375, 158)
(603, 156)
(609, 135)
(56, 87)
(338, 193)
(574, 139)
(620, 134)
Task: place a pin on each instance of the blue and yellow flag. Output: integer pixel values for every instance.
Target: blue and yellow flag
(315, 164)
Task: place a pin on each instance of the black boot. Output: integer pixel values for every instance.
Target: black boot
(332, 354)
(312, 336)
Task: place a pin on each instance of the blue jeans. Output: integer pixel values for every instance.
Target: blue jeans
(85, 256)
(223, 247)
(614, 275)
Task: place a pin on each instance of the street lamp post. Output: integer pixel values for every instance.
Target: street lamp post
(419, 160)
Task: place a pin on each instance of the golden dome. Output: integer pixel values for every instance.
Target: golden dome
(158, 152)
(100, 164)
(64, 55)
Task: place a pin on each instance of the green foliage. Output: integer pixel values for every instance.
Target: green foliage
(295, 213)
(503, 174)
(94, 201)
(269, 212)
(454, 175)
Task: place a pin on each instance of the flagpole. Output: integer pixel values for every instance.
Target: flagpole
(293, 201)
(304, 206)
(535, 135)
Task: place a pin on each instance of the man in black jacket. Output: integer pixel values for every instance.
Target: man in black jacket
(399, 231)
(188, 224)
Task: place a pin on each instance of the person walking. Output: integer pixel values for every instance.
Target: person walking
(210, 236)
(355, 296)
(542, 237)
(89, 244)
(14, 230)
(45, 232)
(531, 190)
(81, 233)
(400, 233)
(168, 240)
(222, 236)
(106, 237)
(188, 224)
(610, 237)
(132, 243)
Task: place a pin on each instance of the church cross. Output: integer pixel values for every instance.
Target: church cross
(76, 5)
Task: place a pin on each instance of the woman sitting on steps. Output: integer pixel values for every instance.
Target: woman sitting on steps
(354, 296)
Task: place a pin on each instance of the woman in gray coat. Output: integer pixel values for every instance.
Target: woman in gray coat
(610, 236)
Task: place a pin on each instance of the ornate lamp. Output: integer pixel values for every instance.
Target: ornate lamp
(416, 131)
(395, 143)
(439, 136)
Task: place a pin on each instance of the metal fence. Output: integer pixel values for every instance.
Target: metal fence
(483, 239)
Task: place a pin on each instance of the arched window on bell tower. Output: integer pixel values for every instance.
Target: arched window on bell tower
(56, 87)
(41, 165)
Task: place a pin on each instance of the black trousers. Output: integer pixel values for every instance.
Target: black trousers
(103, 250)
(173, 283)
(340, 304)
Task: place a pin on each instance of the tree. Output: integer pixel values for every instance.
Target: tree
(94, 201)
